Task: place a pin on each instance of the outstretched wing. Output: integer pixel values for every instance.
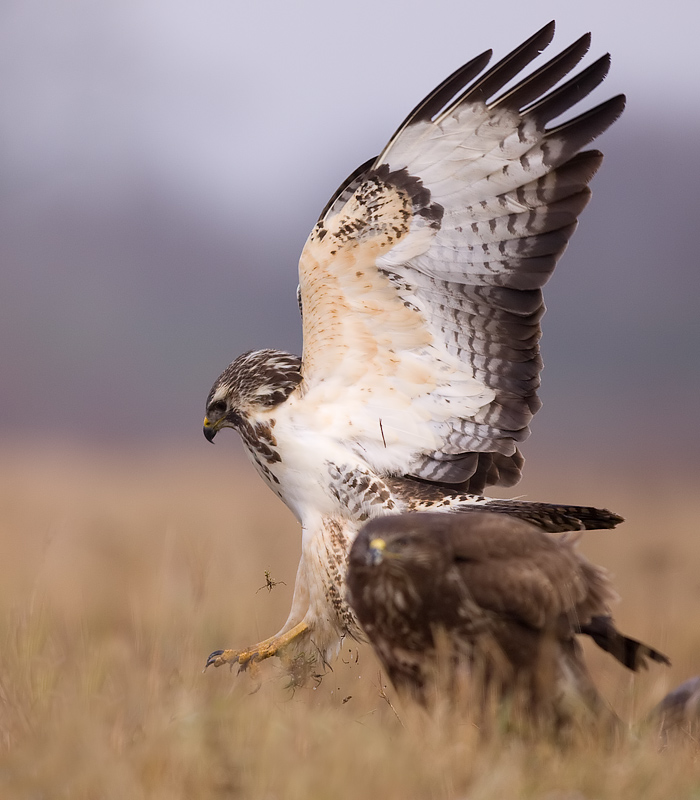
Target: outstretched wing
(421, 282)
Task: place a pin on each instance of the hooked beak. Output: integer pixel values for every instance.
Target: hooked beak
(375, 554)
(210, 429)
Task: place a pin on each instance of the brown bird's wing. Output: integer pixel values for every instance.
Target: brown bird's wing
(515, 570)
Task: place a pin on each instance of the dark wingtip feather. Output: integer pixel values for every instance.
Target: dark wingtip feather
(574, 90)
(584, 128)
(508, 67)
(429, 106)
(443, 93)
(583, 165)
(533, 86)
(544, 35)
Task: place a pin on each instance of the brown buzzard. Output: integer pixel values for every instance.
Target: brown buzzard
(507, 598)
(421, 295)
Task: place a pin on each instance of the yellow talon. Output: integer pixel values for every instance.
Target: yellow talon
(259, 652)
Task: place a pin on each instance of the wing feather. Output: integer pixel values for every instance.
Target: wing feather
(546, 577)
(421, 282)
(534, 85)
(506, 69)
(346, 190)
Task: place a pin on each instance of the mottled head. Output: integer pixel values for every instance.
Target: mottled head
(255, 382)
(401, 543)
(396, 576)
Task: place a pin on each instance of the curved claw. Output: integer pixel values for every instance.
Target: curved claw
(259, 652)
(232, 657)
(213, 657)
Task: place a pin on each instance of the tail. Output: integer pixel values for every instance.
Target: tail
(550, 517)
(627, 651)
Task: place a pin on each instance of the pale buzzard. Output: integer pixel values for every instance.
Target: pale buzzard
(506, 597)
(421, 295)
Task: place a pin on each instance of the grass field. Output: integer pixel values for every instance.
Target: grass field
(120, 572)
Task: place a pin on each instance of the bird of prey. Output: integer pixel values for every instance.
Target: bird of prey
(421, 295)
(508, 598)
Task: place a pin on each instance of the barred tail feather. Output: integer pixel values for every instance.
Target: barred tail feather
(630, 652)
(550, 517)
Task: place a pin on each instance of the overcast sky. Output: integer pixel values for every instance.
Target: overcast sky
(163, 162)
(217, 93)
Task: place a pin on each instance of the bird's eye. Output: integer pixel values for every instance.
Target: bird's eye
(219, 407)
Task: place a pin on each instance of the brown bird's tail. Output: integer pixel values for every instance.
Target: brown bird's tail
(627, 651)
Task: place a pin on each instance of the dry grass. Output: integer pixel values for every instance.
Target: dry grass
(119, 573)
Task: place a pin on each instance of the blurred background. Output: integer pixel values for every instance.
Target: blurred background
(161, 165)
(163, 162)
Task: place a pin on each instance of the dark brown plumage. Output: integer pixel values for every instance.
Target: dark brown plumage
(508, 598)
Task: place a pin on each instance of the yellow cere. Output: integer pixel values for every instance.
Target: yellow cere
(378, 544)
